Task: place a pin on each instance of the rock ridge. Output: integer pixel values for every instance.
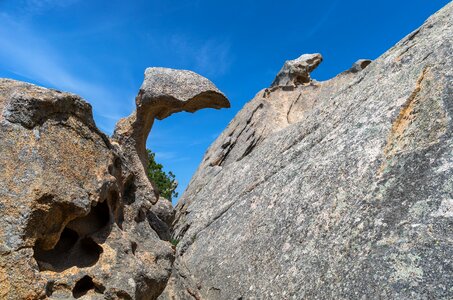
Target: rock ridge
(330, 190)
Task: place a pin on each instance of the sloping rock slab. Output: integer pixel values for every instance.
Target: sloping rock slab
(346, 193)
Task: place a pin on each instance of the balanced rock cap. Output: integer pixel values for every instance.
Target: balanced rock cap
(164, 92)
(177, 90)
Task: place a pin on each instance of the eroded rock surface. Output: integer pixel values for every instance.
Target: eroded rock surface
(330, 190)
(163, 92)
(77, 214)
(297, 71)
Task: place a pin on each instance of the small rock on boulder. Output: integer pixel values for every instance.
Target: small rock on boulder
(297, 71)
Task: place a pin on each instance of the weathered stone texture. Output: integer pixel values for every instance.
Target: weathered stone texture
(297, 71)
(330, 190)
(77, 214)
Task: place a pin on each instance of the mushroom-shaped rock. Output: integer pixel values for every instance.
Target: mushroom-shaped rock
(297, 71)
(163, 92)
(168, 91)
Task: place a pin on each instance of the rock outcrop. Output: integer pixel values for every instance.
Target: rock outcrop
(78, 216)
(330, 190)
(297, 71)
(316, 190)
(163, 92)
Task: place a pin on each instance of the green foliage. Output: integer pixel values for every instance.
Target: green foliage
(174, 242)
(165, 182)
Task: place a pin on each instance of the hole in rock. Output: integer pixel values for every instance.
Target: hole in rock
(115, 168)
(49, 288)
(123, 295)
(117, 163)
(365, 64)
(96, 220)
(133, 247)
(70, 251)
(76, 245)
(48, 258)
(141, 216)
(116, 208)
(300, 80)
(129, 191)
(84, 285)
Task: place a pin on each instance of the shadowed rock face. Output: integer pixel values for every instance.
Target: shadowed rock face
(77, 213)
(330, 190)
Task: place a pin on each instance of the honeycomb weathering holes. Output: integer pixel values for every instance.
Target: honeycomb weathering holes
(77, 244)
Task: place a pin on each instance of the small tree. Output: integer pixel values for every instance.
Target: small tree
(165, 182)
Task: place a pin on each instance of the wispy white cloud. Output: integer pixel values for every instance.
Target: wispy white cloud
(170, 157)
(166, 155)
(24, 53)
(325, 17)
(38, 6)
(211, 57)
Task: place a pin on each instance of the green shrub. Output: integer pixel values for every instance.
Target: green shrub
(174, 242)
(165, 182)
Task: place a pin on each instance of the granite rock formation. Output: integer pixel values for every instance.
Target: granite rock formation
(339, 189)
(316, 190)
(79, 218)
(297, 71)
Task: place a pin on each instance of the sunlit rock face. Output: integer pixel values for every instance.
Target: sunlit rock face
(79, 217)
(297, 71)
(339, 189)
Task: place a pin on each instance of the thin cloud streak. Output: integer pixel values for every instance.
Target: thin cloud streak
(39, 6)
(211, 57)
(314, 29)
(170, 157)
(24, 54)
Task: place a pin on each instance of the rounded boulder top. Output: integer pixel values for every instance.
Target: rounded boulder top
(181, 85)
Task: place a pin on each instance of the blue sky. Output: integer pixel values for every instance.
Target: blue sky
(100, 49)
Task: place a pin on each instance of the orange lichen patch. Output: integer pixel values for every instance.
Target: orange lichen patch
(5, 285)
(52, 275)
(147, 258)
(17, 279)
(420, 122)
(71, 147)
(405, 117)
(108, 258)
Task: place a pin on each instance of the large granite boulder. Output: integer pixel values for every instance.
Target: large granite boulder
(78, 218)
(330, 190)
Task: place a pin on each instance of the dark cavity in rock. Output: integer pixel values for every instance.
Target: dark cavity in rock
(77, 244)
(84, 285)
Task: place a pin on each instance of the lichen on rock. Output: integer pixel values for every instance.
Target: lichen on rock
(336, 189)
(77, 208)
